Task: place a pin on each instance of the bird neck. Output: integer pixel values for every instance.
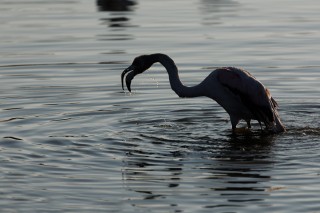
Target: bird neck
(175, 82)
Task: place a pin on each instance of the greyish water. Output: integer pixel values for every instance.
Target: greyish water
(72, 141)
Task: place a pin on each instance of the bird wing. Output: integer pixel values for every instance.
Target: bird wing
(253, 94)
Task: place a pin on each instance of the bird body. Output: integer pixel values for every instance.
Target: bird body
(236, 90)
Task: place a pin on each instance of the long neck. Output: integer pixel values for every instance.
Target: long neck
(176, 84)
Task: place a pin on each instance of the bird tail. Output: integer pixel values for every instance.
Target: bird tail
(276, 126)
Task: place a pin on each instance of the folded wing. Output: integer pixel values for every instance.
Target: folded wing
(253, 94)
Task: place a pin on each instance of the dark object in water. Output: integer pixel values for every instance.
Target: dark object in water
(115, 5)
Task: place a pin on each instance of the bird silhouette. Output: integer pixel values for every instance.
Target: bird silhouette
(241, 95)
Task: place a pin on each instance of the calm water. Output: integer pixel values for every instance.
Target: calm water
(72, 141)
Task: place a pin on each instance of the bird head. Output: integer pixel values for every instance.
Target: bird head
(139, 65)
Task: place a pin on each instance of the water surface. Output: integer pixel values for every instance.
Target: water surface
(72, 141)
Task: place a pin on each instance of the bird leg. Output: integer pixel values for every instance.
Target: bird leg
(241, 130)
(234, 122)
(248, 124)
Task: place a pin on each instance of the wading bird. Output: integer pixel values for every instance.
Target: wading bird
(236, 90)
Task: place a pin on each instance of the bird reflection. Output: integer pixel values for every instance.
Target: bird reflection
(150, 174)
(228, 171)
(118, 21)
(115, 5)
(243, 168)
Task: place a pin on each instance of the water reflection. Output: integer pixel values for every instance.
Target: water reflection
(234, 170)
(244, 167)
(116, 21)
(214, 10)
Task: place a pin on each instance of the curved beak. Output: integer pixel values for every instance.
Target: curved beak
(128, 78)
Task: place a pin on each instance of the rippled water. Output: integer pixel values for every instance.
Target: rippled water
(72, 141)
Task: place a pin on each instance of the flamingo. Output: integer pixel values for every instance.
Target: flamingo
(241, 95)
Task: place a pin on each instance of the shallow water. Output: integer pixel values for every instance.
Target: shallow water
(72, 141)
